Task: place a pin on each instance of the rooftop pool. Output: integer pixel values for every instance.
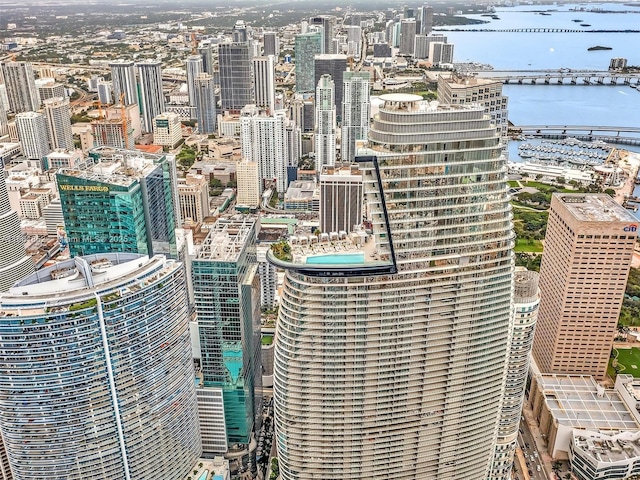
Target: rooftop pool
(336, 259)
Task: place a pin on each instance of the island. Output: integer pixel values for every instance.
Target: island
(599, 47)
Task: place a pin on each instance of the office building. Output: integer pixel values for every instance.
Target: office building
(240, 32)
(392, 347)
(4, 123)
(33, 134)
(123, 80)
(334, 65)
(407, 37)
(21, 87)
(96, 374)
(326, 26)
(264, 71)
(227, 300)
(307, 46)
(205, 103)
(302, 113)
(167, 130)
(588, 250)
(58, 116)
(340, 199)
(236, 76)
(205, 50)
(151, 95)
(248, 181)
(60, 158)
(325, 134)
(270, 44)
(48, 88)
(105, 93)
(356, 113)
(426, 20)
(440, 53)
(525, 306)
(421, 49)
(470, 89)
(193, 197)
(14, 262)
(136, 193)
(194, 67)
(263, 141)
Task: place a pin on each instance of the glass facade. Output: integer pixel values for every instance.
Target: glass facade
(96, 375)
(307, 46)
(405, 372)
(227, 299)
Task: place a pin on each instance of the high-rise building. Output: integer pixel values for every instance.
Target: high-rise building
(96, 372)
(325, 24)
(236, 76)
(268, 279)
(421, 50)
(138, 205)
(14, 262)
(340, 199)
(205, 50)
(4, 123)
(194, 67)
(426, 20)
(205, 103)
(151, 95)
(123, 79)
(48, 88)
(271, 44)
(525, 307)
(227, 299)
(167, 130)
(325, 135)
(334, 65)
(5, 468)
(263, 141)
(58, 116)
(111, 133)
(440, 53)
(21, 87)
(307, 46)
(33, 134)
(193, 196)
(248, 179)
(264, 74)
(394, 356)
(240, 32)
(105, 93)
(484, 91)
(407, 37)
(587, 255)
(356, 113)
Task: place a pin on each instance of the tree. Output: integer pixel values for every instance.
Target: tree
(556, 466)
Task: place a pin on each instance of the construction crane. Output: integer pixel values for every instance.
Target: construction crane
(194, 43)
(123, 116)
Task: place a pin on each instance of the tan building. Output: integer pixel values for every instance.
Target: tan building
(193, 192)
(248, 176)
(588, 250)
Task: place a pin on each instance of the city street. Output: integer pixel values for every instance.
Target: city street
(532, 456)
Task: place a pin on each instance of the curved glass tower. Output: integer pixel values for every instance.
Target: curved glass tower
(96, 375)
(391, 346)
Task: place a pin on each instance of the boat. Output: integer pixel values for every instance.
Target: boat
(577, 20)
(598, 47)
(585, 24)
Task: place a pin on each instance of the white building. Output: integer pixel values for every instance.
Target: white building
(151, 95)
(59, 122)
(123, 79)
(264, 77)
(356, 113)
(205, 103)
(167, 130)
(263, 141)
(325, 134)
(33, 134)
(392, 347)
(440, 53)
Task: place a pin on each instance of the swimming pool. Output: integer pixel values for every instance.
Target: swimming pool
(336, 259)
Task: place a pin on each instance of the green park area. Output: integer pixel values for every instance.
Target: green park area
(625, 360)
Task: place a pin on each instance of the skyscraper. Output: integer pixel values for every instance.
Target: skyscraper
(123, 78)
(205, 103)
(96, 372)
(440, 53)
(151, 95)
(334, 65)
(407, 36)
(236, 76)
(325, 23)
(307, 46)
(138, 205)
(14, 262)
(194, 67)
(426, 20)
(262, 138)
(264, 74)
(167, 130)
(227, 299)
(248, 179)
(340, 199)
(588, 250)
(21, 87)
(33, 134)
(59, 122)
(271, 45)
(325, 123)
(525, 307)
(205, 50)
(356, 113)
(396, 359)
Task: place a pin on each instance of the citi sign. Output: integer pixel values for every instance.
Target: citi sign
(630, 228)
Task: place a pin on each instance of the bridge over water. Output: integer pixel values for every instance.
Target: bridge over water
(533, 30)
(609, 134)
(562, 77)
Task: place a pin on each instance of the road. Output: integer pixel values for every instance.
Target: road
(532, 456)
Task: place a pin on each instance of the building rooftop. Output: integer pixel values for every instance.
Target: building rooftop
(226, 240)
(608, 448)
(578, 401)
(594, 207)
